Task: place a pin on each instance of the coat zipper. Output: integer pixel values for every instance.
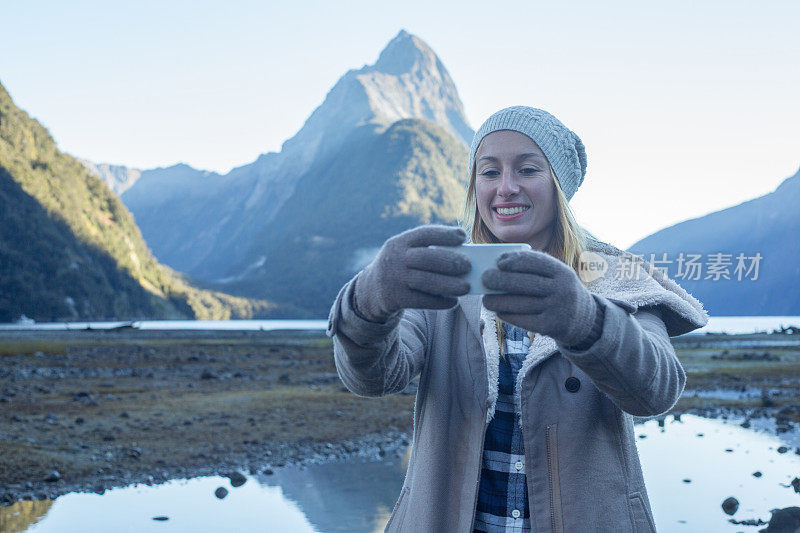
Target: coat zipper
(556, 520)
(480, 468)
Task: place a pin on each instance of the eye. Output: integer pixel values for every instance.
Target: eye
(489, 173)
(528, 171)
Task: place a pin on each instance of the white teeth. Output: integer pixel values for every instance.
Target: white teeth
(510, 210)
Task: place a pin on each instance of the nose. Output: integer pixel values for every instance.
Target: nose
(508, 184)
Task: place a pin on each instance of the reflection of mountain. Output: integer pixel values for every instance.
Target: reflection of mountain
(22, 515)
(352, 496)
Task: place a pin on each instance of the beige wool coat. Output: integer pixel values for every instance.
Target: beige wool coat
(582, 465)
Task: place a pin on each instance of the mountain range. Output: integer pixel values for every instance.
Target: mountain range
(214, 221)
(748, 256)
(385, 151)
(69, 248)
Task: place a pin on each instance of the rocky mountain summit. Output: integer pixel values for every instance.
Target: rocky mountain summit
(213, 220)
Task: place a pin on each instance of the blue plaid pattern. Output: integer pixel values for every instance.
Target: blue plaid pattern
(503, 493)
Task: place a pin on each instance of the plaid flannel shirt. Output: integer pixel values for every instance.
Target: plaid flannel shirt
(503, 494)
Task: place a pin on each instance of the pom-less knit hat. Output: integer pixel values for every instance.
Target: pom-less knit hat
(563, 148)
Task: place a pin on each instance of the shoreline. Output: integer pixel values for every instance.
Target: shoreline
(274, 458)
(378, 446)
(112, 408)
(109, 409)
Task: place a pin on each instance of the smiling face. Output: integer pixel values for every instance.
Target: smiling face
(514, 188)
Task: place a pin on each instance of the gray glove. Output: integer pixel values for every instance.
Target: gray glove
(544, 295)
(407, 274)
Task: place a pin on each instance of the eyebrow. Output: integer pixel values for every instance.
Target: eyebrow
(520, 156)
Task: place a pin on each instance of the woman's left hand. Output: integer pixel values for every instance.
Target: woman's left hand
(541, 294)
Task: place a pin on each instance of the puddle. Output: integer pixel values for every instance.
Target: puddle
(189, 505)
(678, 451)
(357, 495)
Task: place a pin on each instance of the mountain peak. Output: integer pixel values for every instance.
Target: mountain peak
(403, 52)
(407, 81)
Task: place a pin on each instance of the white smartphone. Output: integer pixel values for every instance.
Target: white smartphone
(483, 257)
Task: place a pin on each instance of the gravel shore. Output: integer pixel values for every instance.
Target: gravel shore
(87, 411)
(92, 410)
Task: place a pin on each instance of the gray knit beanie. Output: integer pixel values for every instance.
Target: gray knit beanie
(563, 148)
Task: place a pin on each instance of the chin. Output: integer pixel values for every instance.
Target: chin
(512, 238)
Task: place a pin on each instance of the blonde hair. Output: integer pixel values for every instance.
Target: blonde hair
(567, 238)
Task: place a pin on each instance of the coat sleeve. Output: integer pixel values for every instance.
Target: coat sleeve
(374, 358)
(633, 361)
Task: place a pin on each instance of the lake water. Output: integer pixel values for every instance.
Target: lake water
(747, 324)
(721, 324)
(357, 495)
(221, 325)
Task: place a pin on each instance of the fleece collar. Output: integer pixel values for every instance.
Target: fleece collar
(540, 349)
(630, 282)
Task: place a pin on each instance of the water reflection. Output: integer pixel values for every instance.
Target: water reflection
(718, 458)
(344, 497)
(20, 516)
(690, 467)
(189, 506)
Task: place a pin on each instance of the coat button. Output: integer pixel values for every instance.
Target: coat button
(572, 384)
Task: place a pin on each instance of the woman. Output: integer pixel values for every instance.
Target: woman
(523, 416)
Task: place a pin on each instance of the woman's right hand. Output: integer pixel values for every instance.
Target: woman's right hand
(406, 274)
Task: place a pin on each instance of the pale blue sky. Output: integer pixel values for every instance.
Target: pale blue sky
(685, 107)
